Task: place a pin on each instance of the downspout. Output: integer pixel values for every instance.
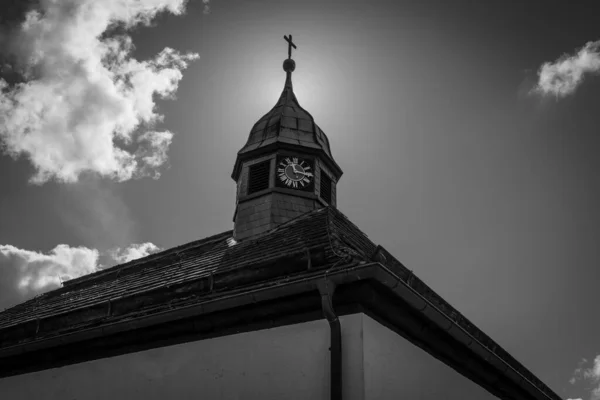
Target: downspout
(327, 288)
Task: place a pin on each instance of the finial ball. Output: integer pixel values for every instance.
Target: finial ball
(289, 65)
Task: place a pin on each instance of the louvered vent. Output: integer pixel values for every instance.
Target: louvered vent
(258, 177)
(325, 187)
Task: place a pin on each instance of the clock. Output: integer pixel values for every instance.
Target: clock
(295, 173)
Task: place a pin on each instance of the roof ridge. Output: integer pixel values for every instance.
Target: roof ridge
(351, 240)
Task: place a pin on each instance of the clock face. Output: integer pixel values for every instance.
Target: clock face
(295, 173)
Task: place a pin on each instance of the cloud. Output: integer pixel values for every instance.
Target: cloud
(561, 77)
(86, 105)
(589, 375)
(578, 373)
(26, 273)
(133, 252)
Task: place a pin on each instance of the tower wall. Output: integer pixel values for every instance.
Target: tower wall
(260, 214)
(262, 211)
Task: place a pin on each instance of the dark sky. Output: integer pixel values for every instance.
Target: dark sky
(488, 192)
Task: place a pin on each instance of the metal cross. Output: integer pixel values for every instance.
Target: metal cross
(290, 45)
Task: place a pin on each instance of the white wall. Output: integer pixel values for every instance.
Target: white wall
(395, 368)
(290, 362)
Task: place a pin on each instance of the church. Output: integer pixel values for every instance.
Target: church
(295, 302)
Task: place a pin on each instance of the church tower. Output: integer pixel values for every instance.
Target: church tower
(285, 169)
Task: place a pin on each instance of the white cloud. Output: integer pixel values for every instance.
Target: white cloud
(561, 77)
(153, 151)
(593, 373)
(206, 6)
(133, 252)
(86, 104)
(589, 375)
(578, 373)
(26, 273)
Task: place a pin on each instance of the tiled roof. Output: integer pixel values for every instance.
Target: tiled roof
(94, 298)
(196, 271)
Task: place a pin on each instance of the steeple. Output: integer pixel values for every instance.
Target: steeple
(285, 168)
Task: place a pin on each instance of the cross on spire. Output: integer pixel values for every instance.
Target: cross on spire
(290, 45)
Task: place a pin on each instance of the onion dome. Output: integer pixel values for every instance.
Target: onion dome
(287, 125)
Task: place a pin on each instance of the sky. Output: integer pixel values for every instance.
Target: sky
(467, 132)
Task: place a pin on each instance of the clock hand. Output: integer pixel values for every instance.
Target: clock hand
(296, 171)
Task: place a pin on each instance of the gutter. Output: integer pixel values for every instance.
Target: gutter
(327, 288)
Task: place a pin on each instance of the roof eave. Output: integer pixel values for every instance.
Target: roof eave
(374, 271)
